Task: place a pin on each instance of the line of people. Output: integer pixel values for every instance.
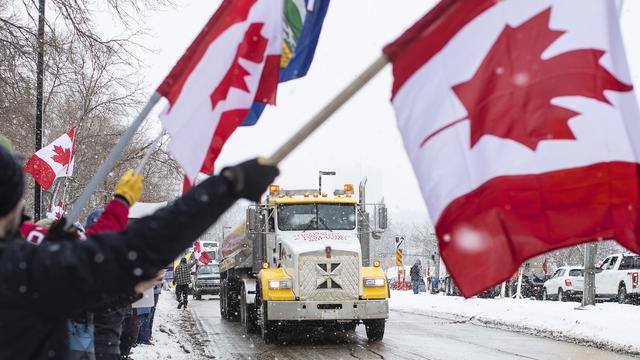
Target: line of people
(68, 297)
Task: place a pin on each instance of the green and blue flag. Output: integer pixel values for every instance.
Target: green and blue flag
(302, 25)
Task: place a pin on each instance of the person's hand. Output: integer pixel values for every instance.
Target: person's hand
(129, 187)
(141, 287)
(250, 179)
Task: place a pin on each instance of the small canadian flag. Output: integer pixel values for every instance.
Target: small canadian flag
(202, 256)
(57, 211)
(53, 161)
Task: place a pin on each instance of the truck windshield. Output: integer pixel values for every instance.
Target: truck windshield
(208, 269)
(302, 217)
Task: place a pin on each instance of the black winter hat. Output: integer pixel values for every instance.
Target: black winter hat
(11, 182)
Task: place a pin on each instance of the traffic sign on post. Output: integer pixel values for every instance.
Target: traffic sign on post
(398, 257)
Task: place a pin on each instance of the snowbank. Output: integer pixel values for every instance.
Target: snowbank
(171, 339)
(607, 325)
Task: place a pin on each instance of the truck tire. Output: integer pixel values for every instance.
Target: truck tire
(374, 329)
(622, 294)
(269, 329)
(348, 327)
(233, 304)
(247, 313)
(223, 300)
(561, 296)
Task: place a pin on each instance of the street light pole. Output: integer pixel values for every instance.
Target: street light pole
(39, 100)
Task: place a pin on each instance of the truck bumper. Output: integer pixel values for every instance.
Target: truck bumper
(207, 290)
(328, 310)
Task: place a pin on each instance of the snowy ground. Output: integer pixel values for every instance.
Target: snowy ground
(171, 335)
(607, 325)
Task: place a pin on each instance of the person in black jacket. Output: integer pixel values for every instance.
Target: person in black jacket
(416, 276)
(41, 286)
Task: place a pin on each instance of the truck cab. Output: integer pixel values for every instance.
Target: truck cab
(618, 278)
(307, 266)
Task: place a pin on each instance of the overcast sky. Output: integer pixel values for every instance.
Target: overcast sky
(361, 139)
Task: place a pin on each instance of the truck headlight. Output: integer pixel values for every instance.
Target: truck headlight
(374, 282)
(279, 284)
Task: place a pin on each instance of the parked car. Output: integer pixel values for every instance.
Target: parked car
(619, 278)
(206, 280)
(566, 283)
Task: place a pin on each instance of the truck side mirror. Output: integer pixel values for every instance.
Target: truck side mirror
(382, 217)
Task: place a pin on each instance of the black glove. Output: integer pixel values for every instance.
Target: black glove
(250, 179)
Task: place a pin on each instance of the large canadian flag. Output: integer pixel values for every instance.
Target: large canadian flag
(233, 62)
(53, 161)
(523, 129)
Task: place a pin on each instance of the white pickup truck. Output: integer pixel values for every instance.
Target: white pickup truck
(619, 277)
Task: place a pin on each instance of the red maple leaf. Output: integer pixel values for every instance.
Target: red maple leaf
(62, 155)
(252, 48)
(510, 94)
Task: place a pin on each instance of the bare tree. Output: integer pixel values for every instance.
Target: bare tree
(91, 83)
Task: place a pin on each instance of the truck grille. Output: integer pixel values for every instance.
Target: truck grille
(335, 278)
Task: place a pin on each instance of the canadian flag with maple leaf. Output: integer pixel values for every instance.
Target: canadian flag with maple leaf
(202, 256)
(57, 212)
(233, 62)
(523, 129)
(53, 161)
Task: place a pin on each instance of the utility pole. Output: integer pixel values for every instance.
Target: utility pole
(39, 101)
(589, 293)
(364, 230)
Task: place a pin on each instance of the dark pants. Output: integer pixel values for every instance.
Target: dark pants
(416, 286)
(129, 335)
(182, 291)
(146, 323)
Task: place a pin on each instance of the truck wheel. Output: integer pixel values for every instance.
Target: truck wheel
(233, 305)
(622, 294)
(247, 313)
(269, 329)
(561, 295)
(374, 329)
(348, 327)
(223, 299)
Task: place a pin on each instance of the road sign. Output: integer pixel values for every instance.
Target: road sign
(399, 257)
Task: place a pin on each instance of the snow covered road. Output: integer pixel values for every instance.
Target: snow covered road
(607, 325)
(408, 336)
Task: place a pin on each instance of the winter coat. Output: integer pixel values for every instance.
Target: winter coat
(107, 320)
(182, 273)
(415, 272)
(82, 332)
(41, 286)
